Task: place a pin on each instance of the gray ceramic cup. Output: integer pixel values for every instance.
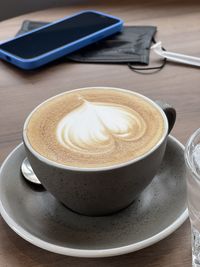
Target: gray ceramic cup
(103, 190)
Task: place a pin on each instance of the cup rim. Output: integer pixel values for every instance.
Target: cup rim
(103, 168)
(187, 153)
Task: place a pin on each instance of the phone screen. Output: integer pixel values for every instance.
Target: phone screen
(57, 35)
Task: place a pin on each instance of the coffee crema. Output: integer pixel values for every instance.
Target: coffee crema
(95, 127)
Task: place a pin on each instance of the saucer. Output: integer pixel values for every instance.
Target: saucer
(39, 218)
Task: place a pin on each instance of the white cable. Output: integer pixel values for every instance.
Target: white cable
(175, 57)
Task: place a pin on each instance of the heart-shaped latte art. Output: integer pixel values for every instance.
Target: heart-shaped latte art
(95, 127)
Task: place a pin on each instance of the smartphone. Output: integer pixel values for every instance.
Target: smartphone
(41, 46)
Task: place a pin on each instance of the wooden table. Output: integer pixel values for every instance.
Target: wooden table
(179, 29)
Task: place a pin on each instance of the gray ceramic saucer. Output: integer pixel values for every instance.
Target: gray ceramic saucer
(36, 216)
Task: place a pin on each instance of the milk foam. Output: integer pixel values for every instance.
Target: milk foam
(95, 127)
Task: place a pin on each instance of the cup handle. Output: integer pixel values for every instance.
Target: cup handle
(170, 113)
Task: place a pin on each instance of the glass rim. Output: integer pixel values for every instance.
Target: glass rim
(187, 153)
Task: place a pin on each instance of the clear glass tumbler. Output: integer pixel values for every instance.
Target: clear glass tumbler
(192, 158)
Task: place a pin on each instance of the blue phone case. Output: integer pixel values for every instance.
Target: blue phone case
(29, 64)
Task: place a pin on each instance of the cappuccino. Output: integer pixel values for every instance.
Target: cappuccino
(95, 127)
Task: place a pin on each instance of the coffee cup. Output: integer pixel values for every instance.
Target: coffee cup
(96, 149)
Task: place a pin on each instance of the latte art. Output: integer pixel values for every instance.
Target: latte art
(94, 127)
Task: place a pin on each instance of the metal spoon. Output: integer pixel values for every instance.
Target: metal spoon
(28, 172)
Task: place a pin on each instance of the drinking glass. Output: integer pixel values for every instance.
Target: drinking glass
(192, 158)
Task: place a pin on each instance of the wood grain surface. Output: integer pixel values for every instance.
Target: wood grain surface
(179, 30)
